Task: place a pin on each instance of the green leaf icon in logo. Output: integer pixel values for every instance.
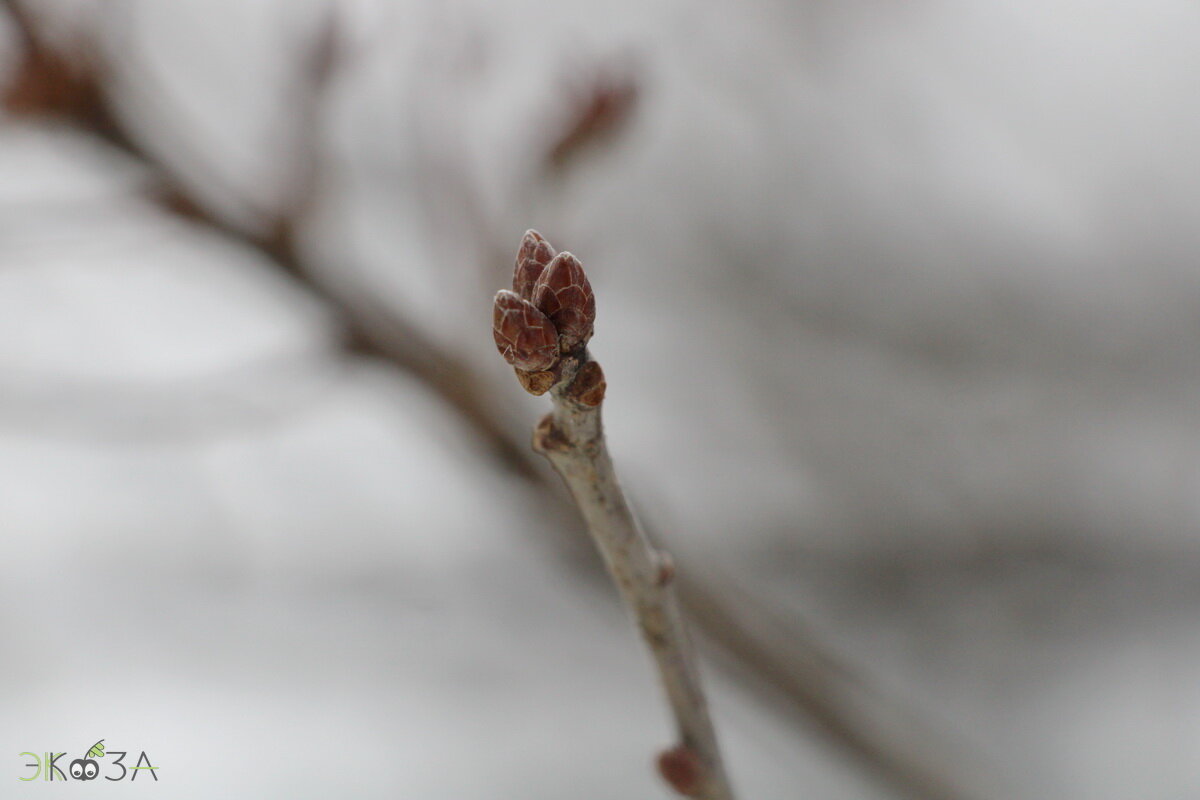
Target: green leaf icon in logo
(97, 750)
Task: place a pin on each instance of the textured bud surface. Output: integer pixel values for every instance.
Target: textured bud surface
(532, 257)
(524, 336)
(564, 294)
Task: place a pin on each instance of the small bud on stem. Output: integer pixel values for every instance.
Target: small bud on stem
(589, 385)
(681, 768)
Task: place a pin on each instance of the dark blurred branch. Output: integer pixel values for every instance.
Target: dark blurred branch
(70, 84)
(596, 116)
(50, 82)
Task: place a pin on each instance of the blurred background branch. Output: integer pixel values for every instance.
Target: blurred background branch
(69, 81)
(978, 442)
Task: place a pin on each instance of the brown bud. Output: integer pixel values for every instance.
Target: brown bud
(524, 336)
(537, 383)
(588, 386)
(532, 257)
(681, 768)
(666, 568)
(564, 294)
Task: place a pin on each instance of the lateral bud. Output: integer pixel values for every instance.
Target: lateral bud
(681, 768)
(536, 383)
(589, 385)
(665, 573)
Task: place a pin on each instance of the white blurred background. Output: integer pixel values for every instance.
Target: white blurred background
(898, 305)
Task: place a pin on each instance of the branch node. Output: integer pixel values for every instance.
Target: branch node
(549, 437)
(589, 385)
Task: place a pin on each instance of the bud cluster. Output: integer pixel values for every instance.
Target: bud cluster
(548, 314)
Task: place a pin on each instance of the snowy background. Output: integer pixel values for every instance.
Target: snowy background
(898, 305)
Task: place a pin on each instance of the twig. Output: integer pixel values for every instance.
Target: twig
(542, 328)
(371, 326)
(794, 666)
